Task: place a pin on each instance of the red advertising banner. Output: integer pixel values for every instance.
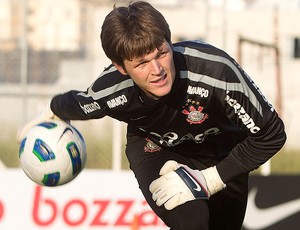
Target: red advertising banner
(105, 200)
(94, 200)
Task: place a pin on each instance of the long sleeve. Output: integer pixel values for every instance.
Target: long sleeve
(248, 109)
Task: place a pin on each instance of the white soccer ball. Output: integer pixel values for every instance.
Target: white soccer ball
(52, 153)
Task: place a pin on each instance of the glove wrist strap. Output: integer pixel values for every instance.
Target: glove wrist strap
(213, 180)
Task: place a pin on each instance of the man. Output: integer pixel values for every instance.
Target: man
(197, 124)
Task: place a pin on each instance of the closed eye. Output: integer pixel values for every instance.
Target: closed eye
(142, 63)
(162, 54)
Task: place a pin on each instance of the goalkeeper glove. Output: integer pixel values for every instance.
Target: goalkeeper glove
(45, 115)
(178, 184)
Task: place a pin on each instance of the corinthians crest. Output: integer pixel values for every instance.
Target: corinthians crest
(151, 147)
(194, 112)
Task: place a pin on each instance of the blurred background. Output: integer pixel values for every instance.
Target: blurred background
(51, 46)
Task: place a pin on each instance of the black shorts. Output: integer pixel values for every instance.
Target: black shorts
(224, 210)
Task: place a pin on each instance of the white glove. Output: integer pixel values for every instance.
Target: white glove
(178, 184)
(45, 115)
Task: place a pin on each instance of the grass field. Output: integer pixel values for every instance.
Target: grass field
(99, 156)
(286, 162)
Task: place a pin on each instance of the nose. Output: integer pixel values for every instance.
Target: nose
(156, 67)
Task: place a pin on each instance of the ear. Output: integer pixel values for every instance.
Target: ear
(120, 69)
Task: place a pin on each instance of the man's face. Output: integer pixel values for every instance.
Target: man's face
(154, 73)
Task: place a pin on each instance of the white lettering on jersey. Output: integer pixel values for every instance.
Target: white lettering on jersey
(172, 138)
(120, 100)
(88, 108)
(243, 116)
(197, 90)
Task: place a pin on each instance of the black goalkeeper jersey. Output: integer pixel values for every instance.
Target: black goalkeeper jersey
(213, 111)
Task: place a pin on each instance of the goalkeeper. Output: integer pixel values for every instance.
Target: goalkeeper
(197, 123)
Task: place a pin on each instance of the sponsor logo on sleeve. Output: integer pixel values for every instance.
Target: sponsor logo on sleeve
(91, 107)
(242, 114)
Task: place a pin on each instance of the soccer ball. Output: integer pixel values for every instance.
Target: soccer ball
(52, 153)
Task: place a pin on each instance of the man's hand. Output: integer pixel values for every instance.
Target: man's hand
(45, 115)
(178, 184)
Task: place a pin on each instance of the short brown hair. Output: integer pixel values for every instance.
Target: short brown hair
(133, 31)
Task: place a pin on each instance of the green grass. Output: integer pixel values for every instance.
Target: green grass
(286, 162)
(100, 157)
(9, 153)
(99, 153)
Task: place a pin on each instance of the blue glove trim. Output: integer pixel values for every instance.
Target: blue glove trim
(196, 188)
